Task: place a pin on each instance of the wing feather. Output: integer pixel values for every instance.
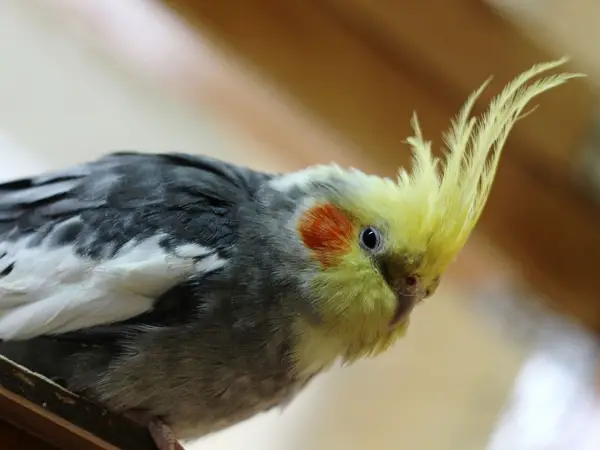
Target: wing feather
(98, 243)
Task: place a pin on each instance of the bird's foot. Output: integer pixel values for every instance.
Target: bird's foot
(163, 436)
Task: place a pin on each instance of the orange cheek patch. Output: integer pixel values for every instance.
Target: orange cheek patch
(327, 231)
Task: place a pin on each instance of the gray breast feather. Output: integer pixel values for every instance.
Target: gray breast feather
(98, 243)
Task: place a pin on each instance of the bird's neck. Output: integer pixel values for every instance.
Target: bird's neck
(318, 346)
(313, 351)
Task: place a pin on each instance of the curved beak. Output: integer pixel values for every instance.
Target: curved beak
(404, 306)
(407, 287)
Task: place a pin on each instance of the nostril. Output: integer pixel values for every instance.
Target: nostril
(412, 281)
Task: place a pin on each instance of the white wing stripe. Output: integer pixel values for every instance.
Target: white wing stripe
(53, 290)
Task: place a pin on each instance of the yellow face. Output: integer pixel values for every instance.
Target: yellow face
(371, 276)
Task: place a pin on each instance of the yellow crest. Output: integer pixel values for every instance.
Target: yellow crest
(450, 203)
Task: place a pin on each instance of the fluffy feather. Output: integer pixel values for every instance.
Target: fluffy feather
(100, 242)
(449, 205)
(54, 290)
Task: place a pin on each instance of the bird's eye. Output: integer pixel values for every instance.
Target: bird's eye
(371, 239)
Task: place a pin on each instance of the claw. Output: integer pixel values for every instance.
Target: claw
(163, 436)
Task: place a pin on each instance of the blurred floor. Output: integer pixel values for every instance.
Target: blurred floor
(483, 366)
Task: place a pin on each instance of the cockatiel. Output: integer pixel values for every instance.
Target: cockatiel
(193, 294)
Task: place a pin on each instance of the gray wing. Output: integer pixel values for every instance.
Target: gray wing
(99, 242)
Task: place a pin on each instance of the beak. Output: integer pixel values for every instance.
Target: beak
(404, 306)
(407, 287)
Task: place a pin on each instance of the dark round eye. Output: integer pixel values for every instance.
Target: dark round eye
(370, 239)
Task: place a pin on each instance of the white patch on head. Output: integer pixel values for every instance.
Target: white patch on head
(53, 290)
(302, 178)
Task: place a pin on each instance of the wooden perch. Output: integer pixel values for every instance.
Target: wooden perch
(36, 413)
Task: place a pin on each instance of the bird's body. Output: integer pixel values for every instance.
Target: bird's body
(197, 292)
(112, 239)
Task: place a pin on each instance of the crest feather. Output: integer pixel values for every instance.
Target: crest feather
(451, 202)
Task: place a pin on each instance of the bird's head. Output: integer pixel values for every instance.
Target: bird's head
(380, 246)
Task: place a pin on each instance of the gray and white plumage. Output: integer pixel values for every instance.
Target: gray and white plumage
(200, 293)
(127, 280)
(119, 230)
